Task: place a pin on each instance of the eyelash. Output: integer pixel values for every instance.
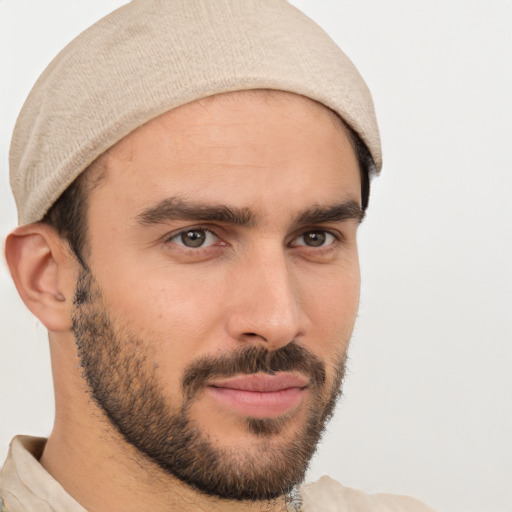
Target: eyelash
(336, 237)
(175, 237)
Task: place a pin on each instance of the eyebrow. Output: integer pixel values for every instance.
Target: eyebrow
(175, 208)
(339, 212)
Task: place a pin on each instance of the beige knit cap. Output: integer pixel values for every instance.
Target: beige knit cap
(151, 56)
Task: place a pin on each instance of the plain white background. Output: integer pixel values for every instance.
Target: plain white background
(427, 409)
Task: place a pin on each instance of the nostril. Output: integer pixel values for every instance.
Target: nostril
(254, 335)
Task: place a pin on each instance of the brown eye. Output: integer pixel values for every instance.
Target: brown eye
(318, 238)
(314, 238)
(194, 238)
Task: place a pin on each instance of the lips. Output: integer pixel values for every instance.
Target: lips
(260, 395)
(262, 382)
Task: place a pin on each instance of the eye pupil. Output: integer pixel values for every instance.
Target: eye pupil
(193, 238)
(314, 238)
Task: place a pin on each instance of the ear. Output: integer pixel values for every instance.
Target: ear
(44, 272)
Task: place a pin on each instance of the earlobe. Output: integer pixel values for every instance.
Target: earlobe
(43, 271)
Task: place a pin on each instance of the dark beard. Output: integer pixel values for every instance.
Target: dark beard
(121, 379)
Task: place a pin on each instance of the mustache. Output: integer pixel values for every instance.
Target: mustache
(248, 360)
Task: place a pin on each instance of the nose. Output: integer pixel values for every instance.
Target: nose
(266, 309)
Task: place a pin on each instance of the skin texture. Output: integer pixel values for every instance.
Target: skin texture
(264, 387)
(278, 270)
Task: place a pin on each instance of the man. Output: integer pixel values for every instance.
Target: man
(190, 177)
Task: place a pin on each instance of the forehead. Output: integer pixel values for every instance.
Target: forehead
(214, 146)
(221, 109)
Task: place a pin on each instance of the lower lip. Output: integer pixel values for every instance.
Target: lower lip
(257, 404)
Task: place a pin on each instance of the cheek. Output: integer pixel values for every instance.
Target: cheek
(172, 314)
(158, 296)
(333, 311)
(338, 311)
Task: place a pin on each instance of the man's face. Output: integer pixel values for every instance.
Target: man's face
(222, 289)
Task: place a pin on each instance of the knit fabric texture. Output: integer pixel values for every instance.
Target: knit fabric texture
(151, 56)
